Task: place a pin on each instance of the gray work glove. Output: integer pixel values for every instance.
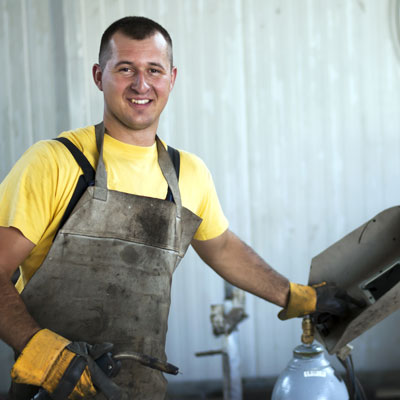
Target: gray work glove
(334, 300)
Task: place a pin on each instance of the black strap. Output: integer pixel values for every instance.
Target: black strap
(176, 160)
(88, 177)
(85, 180)
(70, 378)
(99, 378)
(87, 169)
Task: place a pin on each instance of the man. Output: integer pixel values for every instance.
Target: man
(102, 273)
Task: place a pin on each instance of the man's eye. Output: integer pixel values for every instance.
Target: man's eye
(126, 70)
(154, 71)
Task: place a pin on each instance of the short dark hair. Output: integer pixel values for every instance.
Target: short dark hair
(134, 27)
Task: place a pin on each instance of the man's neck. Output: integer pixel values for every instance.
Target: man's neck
(143, 137)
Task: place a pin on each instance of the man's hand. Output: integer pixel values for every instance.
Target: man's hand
(44, 361)
(323, 298)
(63, 369)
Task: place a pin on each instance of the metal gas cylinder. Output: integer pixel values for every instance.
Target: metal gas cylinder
(309, 376)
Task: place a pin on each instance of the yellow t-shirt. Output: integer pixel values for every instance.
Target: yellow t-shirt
(37, 191)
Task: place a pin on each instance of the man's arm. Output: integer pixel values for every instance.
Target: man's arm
(43, 350)
(16, 325)
(240, 265)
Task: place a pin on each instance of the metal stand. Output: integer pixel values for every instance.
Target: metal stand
(225, 318)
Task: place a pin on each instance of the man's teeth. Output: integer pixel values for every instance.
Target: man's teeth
(140, 101)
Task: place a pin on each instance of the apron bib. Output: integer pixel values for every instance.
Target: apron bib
(107, 276)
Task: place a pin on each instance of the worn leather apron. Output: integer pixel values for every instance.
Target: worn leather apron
(107, 276)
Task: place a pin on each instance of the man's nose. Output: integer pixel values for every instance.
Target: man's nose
(139, 83)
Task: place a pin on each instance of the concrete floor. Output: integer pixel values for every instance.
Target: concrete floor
(377, 386)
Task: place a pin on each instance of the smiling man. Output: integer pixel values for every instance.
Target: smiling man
(98, 219)
(136, 79)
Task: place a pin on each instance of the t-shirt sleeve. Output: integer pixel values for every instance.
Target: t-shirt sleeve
(199, 193)
(214, 221)
(26, 198)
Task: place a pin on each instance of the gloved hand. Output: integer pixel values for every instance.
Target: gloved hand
(324, 298)
(63, 369)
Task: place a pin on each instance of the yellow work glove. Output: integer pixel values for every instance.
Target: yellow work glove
(302, 301)
(44, 361)
(320, 298)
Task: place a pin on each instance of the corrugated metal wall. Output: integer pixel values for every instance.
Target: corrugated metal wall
(292, 104)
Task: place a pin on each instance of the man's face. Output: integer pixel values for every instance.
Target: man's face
(136, 82)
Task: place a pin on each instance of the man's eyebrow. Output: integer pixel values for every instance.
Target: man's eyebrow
(123, 62)
(154, 64)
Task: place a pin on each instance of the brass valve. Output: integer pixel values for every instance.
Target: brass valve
(308, 330)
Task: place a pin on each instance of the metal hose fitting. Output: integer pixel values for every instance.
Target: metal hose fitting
(308, 330)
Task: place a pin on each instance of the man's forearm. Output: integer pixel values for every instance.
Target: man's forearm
(16, 325)
(251, 273)
(240, 265)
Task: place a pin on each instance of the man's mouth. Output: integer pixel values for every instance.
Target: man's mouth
(139, 101)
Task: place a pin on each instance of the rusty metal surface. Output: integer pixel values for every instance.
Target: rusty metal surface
(354, 259)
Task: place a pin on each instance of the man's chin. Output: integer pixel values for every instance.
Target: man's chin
(139, 125)
(132, 124)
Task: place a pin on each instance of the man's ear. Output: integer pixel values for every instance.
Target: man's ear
(97, 76)
(174, 72)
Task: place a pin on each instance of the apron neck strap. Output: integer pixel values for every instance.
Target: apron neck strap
(100, 188)
(168, 170)
(164, 161)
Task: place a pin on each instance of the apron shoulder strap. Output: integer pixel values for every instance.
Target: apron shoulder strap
(176, 160)
(88, 170)
(85, 180)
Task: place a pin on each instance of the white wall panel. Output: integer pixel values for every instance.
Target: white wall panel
(293, 105)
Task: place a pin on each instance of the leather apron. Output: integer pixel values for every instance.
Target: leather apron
(107, 276)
